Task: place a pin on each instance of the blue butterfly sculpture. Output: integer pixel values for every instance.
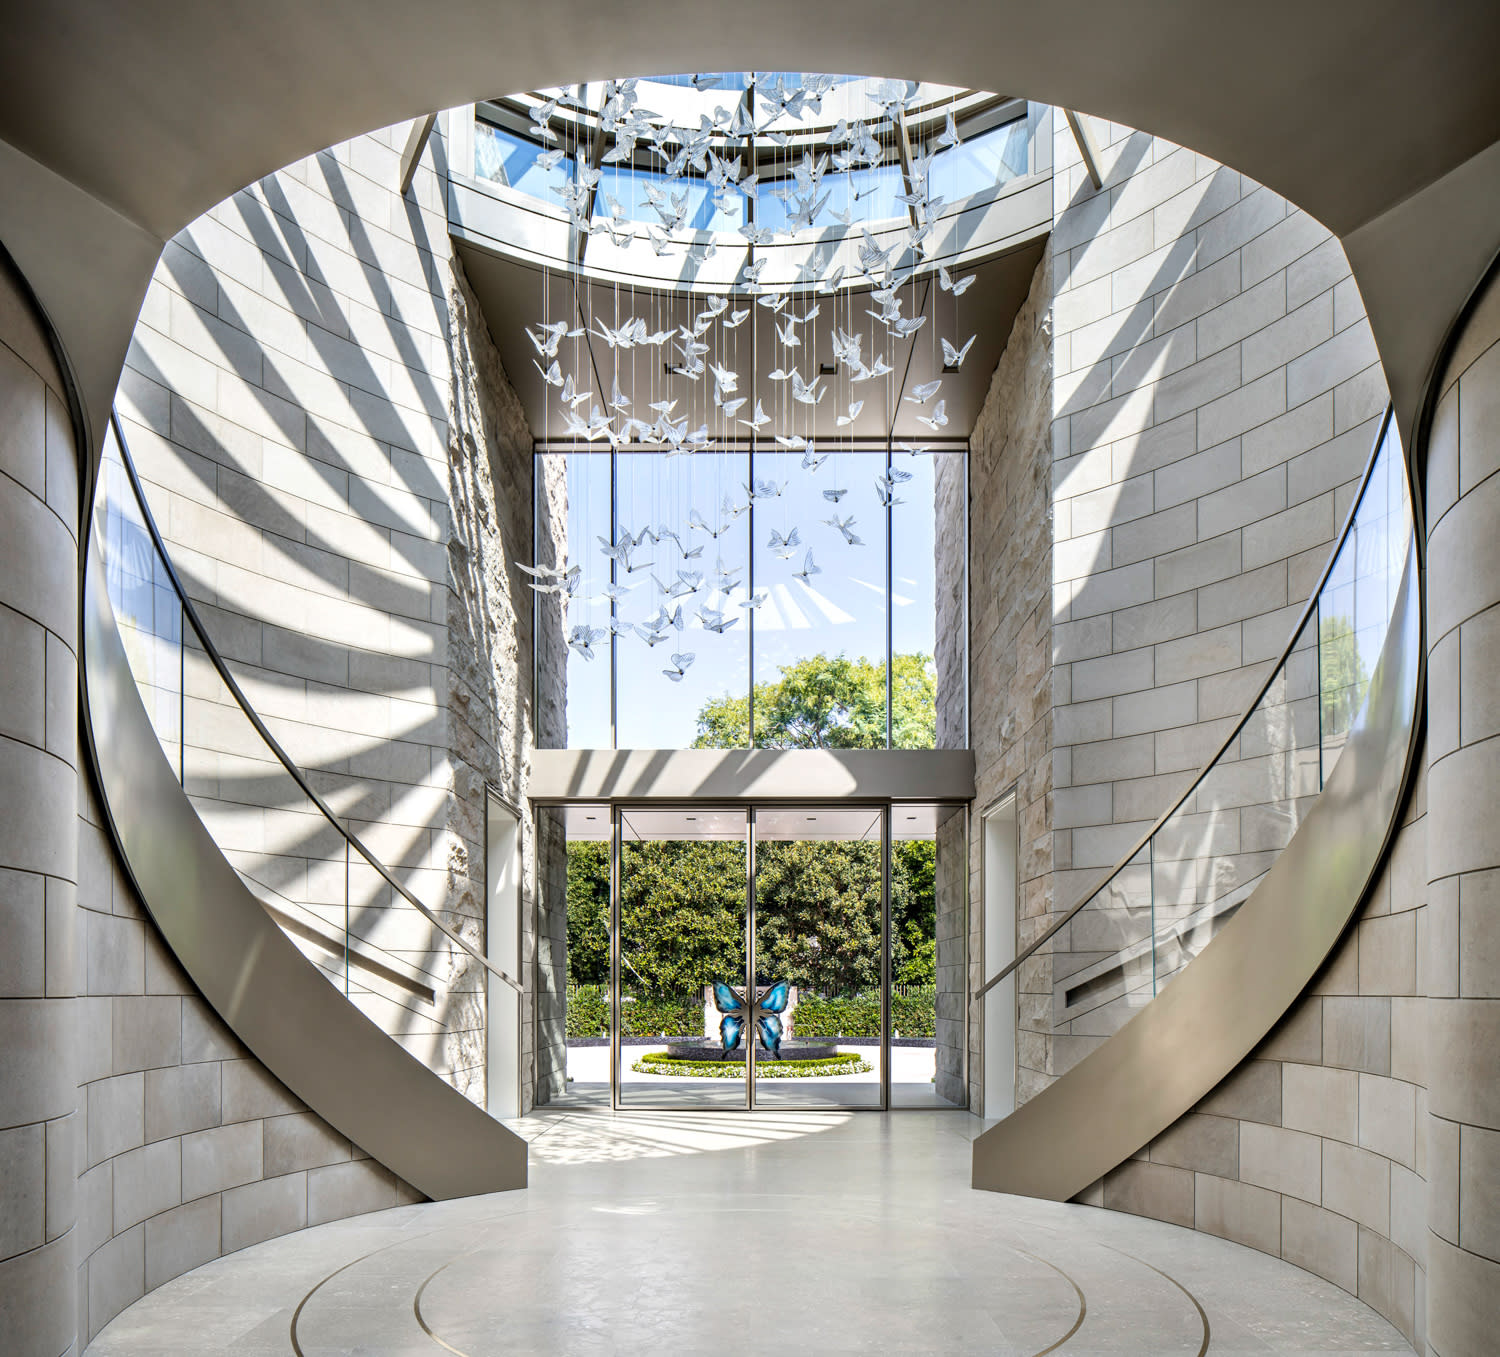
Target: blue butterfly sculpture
(764, 1011)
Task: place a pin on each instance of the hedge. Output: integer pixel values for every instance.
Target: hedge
(664, 1062)
(913, 1014)
(588, 1014)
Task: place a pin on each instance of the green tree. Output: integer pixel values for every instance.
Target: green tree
(588, 913)
(829, 702)
(682, 915)
(817, 910)
(682, 904)
(914, 912)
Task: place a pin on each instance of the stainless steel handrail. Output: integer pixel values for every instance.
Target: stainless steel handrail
(217, 660)
(1312, 602)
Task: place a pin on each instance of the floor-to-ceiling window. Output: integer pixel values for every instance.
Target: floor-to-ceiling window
(755, 597)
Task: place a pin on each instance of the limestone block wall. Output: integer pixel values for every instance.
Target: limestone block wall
(40, 959)
(186, 1146)
(137, 1138)
(1460, 958)
(1216, 396)
(1316, 1149)
(951, 890)
(345, 513)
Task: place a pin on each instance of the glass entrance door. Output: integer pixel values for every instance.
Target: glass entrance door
(681, 928)
(818, 952)
(782, 956)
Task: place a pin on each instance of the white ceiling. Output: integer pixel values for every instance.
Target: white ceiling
(121, 124)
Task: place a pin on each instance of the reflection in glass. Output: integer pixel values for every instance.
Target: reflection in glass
(146, 609)
(573, 999)
(588, 492)
(989, 160)
(502, 157)
(927, 526)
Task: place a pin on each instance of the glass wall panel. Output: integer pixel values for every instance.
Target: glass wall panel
(503, 157)
(768, 565)
(927, 599)
(584, 615)
(1209, 856)
(573, 1004)
(683, 909)
(698, 577)
(147, 612)
(987, 161)
(627, 186)
(929, 955)
(820, 635)
(819, 938)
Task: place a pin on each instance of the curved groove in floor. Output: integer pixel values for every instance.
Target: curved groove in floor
(323, 1281)
(1083, 1304)
(416, 1309)
(1202, 1313)
(670, 1234)
(426, 1322)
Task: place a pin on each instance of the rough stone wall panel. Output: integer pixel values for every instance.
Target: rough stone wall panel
(1010, 609)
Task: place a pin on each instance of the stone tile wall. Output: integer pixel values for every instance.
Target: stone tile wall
(1460, 959)
(186, 1147)
(40, 954)
(1010, 646)
(1316, 1149)
(492, 717)
(1211, 397)
(1216, 397)
(346, 514)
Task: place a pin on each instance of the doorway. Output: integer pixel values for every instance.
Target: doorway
(734, 957)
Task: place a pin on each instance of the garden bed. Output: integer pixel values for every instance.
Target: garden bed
(664, 1062)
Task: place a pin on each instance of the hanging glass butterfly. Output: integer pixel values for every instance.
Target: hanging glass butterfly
(764, 1012)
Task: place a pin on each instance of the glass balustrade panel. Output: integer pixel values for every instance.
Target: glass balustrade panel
(147, 612)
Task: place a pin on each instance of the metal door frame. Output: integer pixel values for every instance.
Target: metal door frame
(617, 813)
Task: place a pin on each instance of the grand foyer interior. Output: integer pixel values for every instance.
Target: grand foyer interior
(1287, 725)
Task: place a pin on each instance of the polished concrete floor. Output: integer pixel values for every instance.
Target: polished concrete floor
(725, 1233)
